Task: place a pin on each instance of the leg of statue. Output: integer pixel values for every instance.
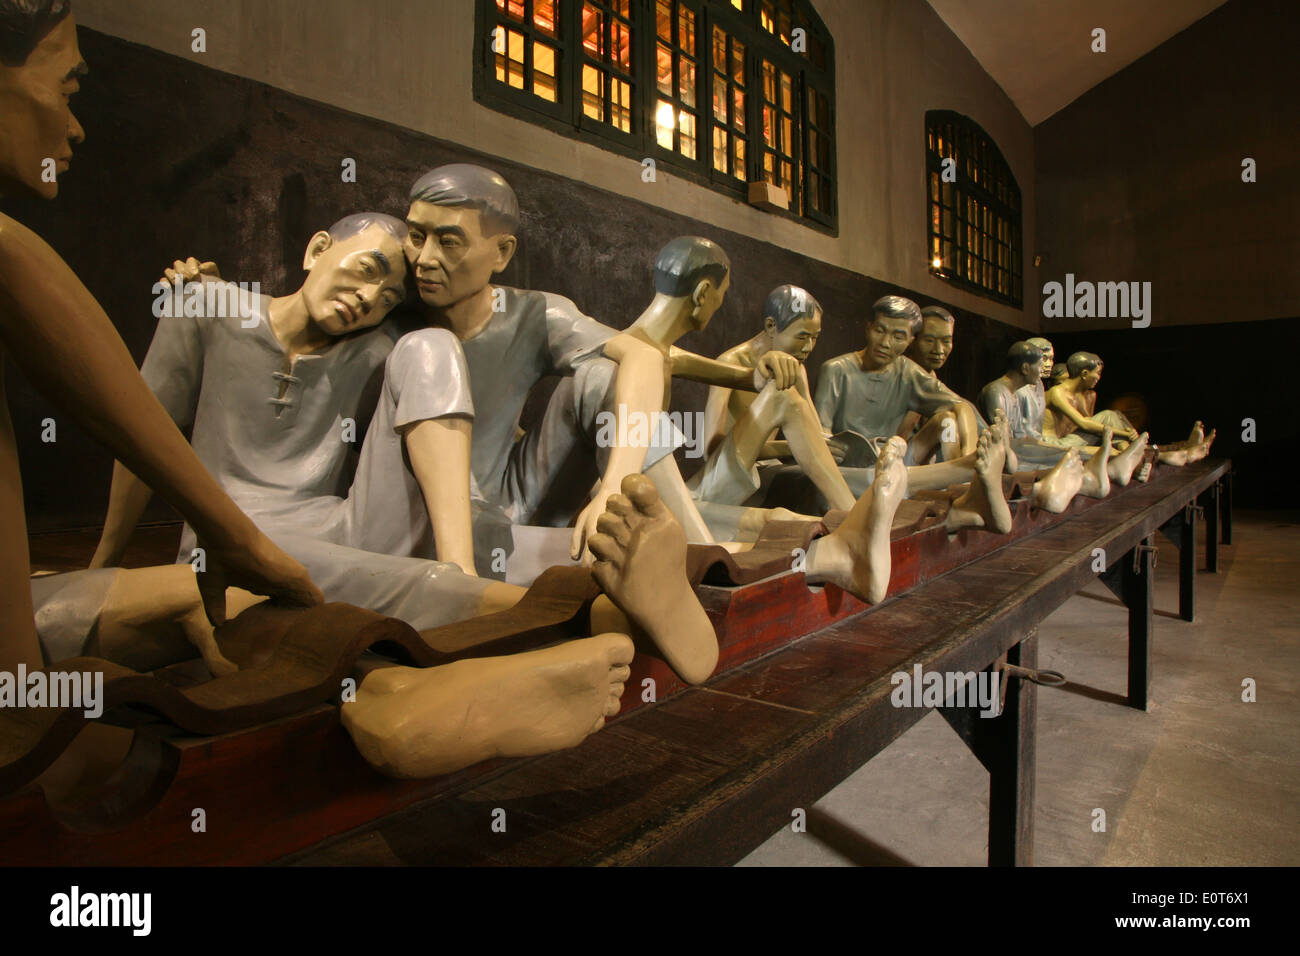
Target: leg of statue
(143, 603)
(668, 481)
(984, 504)
(639, 549)
(412, 722)
(856, 556)
(1054, 491)
(795, 416)
(1096, 477)
(1120, 468)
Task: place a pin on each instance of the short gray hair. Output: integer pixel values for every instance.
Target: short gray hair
(780, 306)
(359, 222)
(1080, 362)
(897, 307)
(464, 184)
(687, 261)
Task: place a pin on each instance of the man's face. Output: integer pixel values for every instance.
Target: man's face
(933, 346)
(1091, 376)
(1049, 359)
(36, 122)
(451, 257)
(887, 338)
(799, 337)
(709, 300)
(1033, 372)
(355, 282)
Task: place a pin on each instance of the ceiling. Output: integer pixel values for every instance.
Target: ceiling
(1040, 51)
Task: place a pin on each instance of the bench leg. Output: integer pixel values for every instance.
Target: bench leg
(1137, 595)
(1225, 507)
(1210, 500)
(1181, 530)
(1005, 745)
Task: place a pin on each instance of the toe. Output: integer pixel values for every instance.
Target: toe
(620, 673)
(643, 494)
(615, 526)
(619, 505)
(606, 548)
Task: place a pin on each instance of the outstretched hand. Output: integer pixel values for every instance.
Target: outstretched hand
(779, 367)
(261, 568)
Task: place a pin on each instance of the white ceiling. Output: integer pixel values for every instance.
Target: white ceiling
(1040, 51)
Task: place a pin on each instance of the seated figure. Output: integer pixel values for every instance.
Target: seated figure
(931, 350)
(869, 392)
(741, 425)
(1070, 414)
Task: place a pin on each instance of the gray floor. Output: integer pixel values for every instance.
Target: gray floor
(1202, 778)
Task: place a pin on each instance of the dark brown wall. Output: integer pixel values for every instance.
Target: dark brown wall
(1140, 178)
(182, 160)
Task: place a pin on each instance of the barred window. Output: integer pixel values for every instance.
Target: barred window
(975, 212)
(721, 92)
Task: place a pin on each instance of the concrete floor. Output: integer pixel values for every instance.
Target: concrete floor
(1202, 778)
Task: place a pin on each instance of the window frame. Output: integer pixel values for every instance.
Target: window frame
(974, 147)
(566, 115)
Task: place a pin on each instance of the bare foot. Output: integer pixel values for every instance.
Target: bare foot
(1054, 491)
(1012, 461)
(984, 505)
(412, 722)
(1200, 450)
(641, 564)
(1096, 477)
(1121, 467)
(857, 556)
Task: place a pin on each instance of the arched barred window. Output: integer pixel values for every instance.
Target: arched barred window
(974, 205)
(722, 92)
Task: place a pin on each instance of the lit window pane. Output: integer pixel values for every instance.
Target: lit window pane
(515, 55)
(739, 171)
(514, 9)
(769, 132)
(664, 69)
(738, 62)
(664, 19)
(719, 50)
(738, 4)
(686, 83)
(592, 100)
(593, 30)
(738, 117)
(544, 16)
(686, 29)
(665, 121)
(686, 128)
(544, 71)
(719, 150)
(622, 45)
(719, 99)
(622, 106)
(787, 101)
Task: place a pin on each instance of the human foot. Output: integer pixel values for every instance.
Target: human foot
(1096, 476)
(1121, 467)
(1202, 448)
(857, 556)
(412, 722)
(984, 505)
(1011, 464)
(641, 564)
(1054, 491)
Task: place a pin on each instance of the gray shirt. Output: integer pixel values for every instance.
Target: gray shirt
(997, 394)
(538, 334)
(276, 438)
(849, 398)
(1033, 406)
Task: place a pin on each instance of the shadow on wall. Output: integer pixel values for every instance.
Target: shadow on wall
(246, 173)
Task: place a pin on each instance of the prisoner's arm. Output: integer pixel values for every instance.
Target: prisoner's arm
(439, 453)
(715, 418)
(1057, 401)
(127, 499)
(638, 391)
(69, 350)
(776, 366)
